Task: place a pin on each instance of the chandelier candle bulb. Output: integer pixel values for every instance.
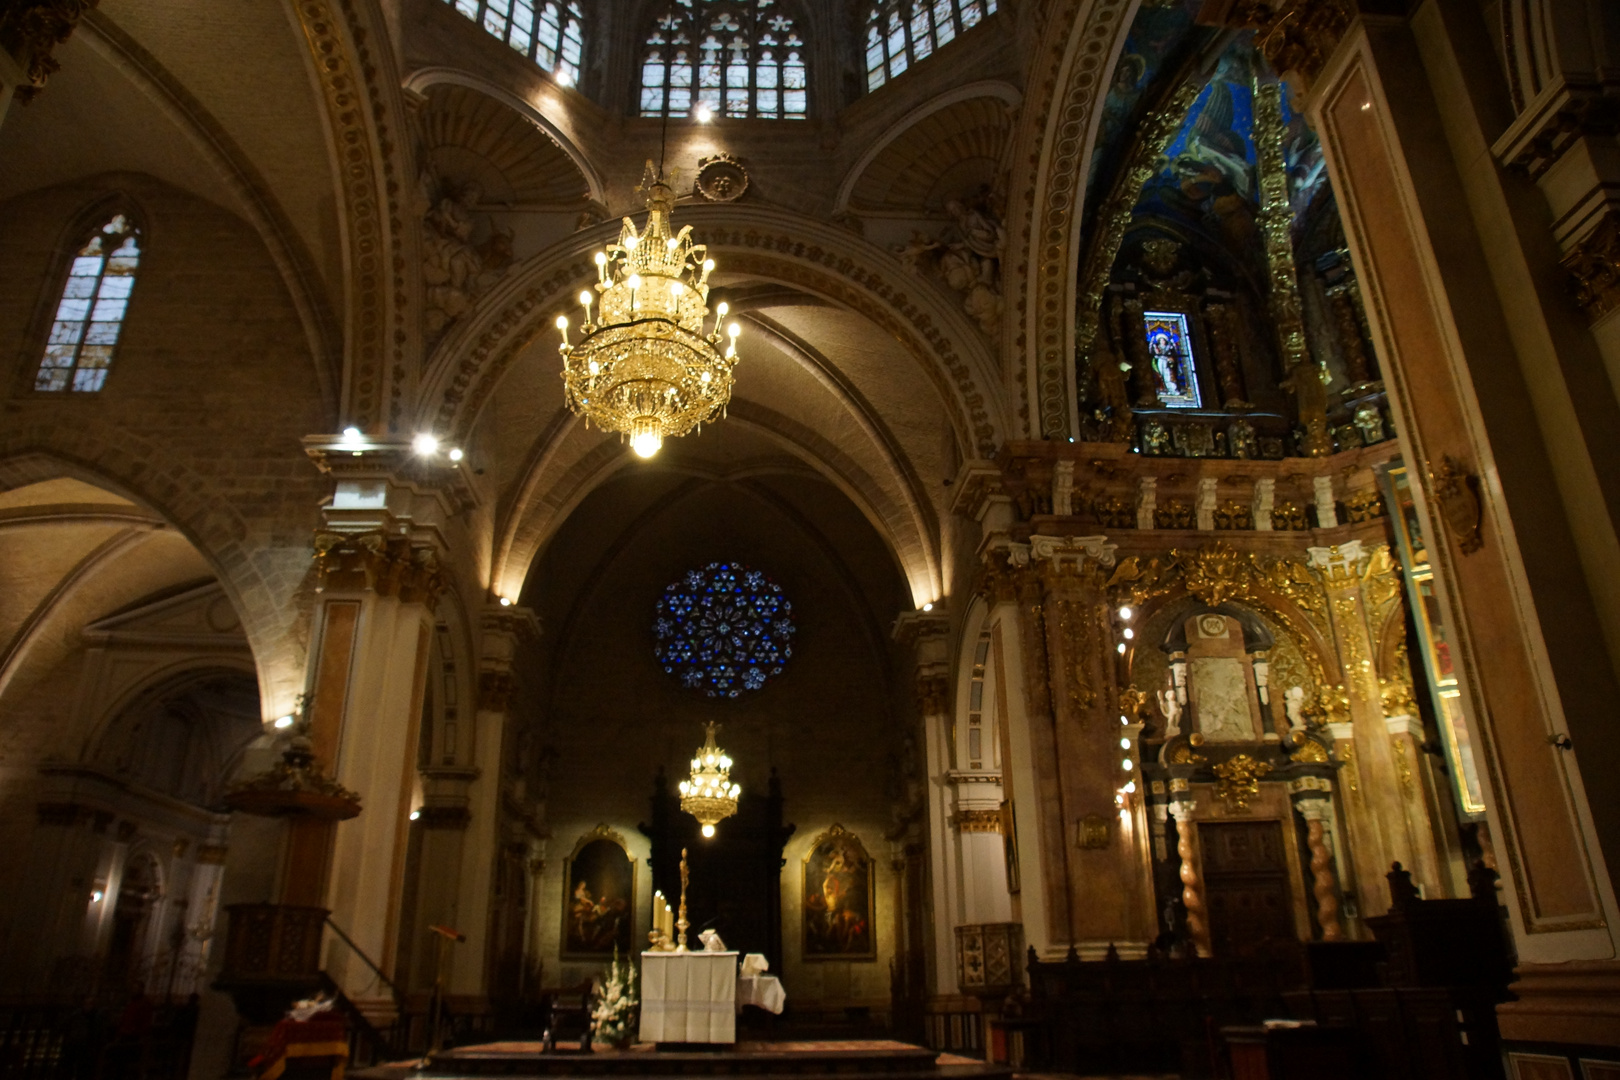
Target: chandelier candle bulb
(709, 795)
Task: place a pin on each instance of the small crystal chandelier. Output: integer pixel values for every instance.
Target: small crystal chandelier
(710, 796)
(650, 366)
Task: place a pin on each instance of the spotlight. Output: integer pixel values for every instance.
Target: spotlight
(456, 454)
(415, 814)
(282, 723)
(1125, 613)
(425, 444)
(1124, 744)
(351, 434)
(928, 606)
(506, 601)
(703, 114)
(1129, 633)
(708, 831)
(1127, 765)
(1122, 648)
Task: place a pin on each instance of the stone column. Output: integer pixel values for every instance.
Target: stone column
(1108, 896)
(927, 634)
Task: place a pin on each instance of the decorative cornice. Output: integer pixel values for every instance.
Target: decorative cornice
(1559, 117)
(1067, 550)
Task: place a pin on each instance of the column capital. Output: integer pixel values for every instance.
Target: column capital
(390, 488)
(373, 561)
(1065, 552)
(1340, 564)
(921, 629)
(981, 497)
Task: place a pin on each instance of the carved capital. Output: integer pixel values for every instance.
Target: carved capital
(1071, 551)
(1594, 269)
(985, 821)
(372, 562)
(933, 694)
(495, 690)
(30, 30)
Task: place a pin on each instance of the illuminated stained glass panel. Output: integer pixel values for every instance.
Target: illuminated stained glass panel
(900, 33)
(549, 33)
(724, 630)
(742, 60)
(90, 313)
(1170, 350)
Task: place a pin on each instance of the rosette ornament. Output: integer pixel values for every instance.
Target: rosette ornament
(652, 363)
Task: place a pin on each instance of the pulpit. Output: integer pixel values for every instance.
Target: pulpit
(689, 997)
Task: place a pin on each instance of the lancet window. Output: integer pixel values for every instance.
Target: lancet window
(899, 33)
(550, 33)
(90, 312)
(1169, 346)
(733, 59)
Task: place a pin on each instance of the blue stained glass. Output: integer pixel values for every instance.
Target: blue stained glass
(724, 630)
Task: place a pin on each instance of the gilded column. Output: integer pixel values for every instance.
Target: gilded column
(1107, 865)
(1307, 377)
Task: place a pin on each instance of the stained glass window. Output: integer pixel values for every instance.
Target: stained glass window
(549, 33)
(901, 32)
(724, 629)
(90, 314)
(736, 59)
(1170, 350)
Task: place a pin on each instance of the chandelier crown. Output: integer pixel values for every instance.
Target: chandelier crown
(650, 363)
(709, 795)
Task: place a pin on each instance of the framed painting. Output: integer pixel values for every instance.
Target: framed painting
(599, 892)
(837, 900)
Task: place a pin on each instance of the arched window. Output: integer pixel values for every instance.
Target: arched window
(901, 32)
(739, 59)
(549, 33)
(90, 313)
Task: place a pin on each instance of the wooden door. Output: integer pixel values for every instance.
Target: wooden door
(1245, 886)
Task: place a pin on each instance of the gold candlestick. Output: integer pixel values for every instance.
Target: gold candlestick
(681, 923)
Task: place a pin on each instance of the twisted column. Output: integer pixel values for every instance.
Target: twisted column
(1192, 884)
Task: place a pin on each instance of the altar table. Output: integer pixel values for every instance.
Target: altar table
(689, 997)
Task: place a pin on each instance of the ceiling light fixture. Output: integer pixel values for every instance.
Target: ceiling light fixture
(650, 365)
(709, 795)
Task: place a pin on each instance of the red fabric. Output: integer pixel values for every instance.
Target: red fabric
(326, 1028)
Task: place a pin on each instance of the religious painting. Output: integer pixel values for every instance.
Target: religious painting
(837, 899)
(598, 897)
(1170, 351)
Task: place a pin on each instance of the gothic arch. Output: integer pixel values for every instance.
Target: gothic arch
(1057, 132)
(761, 243)
(136, 471)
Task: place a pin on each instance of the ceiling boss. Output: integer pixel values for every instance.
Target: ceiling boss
(650, 364)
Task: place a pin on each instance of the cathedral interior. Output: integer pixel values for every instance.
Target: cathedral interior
(1109, 488)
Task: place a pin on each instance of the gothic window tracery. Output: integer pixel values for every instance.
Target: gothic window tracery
(900, 33)
(741, 60)
(550, 33)
(90, 313)
(724, 629)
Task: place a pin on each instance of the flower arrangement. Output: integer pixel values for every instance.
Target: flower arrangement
(613, 1015)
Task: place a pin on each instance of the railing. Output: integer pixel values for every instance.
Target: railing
(79, 1042)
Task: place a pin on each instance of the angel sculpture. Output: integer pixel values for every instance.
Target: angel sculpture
(1170, 705)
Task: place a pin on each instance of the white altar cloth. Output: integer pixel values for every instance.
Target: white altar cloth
(689, 997)
(754, 987)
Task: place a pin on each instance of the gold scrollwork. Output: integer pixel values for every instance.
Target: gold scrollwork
(1240, 781)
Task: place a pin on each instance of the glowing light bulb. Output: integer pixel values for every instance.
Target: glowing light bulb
(282, 723)
(601, 258)
(722, 307)
(928, 607)
(671, 244)
(708, 831)
(351, 434)
(585, 299)
(506, 601)
(425, 444)
(733, 330)
(1127, 764)
(1129, 633)
(634, 281)
(703, 114)
(1122, 648)
(562, 322)
(415, 814)
(1130, 788)
(646, 443)
(596, 369)
(456, 454)
(96, 896)
(1124, 744)
(708, 266)
(1124, 612)
(631, 242)
(565, 77)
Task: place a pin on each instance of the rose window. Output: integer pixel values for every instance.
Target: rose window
(724, 629)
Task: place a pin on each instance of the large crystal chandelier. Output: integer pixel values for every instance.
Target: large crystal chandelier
(709, 795)
(650, 364)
